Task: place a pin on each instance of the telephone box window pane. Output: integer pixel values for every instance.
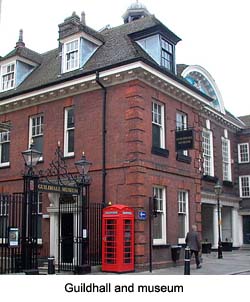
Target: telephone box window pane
(110, 243)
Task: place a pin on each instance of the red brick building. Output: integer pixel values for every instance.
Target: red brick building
(117, 96)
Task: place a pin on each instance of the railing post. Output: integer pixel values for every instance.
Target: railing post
(187, 261)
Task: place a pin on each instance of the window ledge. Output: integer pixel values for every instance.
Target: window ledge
(210, 178)
(4, 166)
(161, 245)
(69, 156)
(160, 152)
(184, 158)
(228, 183)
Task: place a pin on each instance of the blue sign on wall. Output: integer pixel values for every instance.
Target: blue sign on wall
(142, 215)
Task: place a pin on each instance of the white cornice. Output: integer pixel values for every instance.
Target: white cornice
(81, 35)
(111, 77)
(17, 58)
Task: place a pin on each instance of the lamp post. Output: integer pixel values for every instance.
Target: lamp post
(29, 210)
(83, 166)
(218, 190)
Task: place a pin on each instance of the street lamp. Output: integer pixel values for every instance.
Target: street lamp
(31, 158)
(218, 190)
(29, 209)
(83, 166)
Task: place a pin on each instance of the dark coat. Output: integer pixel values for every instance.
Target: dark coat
(192, 240)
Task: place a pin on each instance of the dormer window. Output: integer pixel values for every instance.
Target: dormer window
(75, 53)
(167, 59)
(17, 65)
(72, 55)
(160, 49)
(8, 76)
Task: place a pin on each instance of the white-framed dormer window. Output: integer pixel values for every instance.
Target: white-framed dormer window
(158, 127)
(69, 131)
(4, 148)
(71, 55)
(160, 49)
(183, 215)
(36, 132)
(181, 124)
(160, 221)
(8, 76)
(243, 153)
(226, 159)
(208, 157)
(244, 182)
(167, 55)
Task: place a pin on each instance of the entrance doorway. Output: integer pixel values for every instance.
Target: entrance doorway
(246, 229)
(67, 230)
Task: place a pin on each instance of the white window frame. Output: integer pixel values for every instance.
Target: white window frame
(241, 153)
(247, 179)
(66, 132)
(167, 54)
(11, 82)
(182, 124)
(158, 118)
(226, 159)
(4, 138)
(67, 52)
(38, 130)
(208, 158)
(161, 210)
(183, 209)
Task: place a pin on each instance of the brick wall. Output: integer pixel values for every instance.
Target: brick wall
(132, 170)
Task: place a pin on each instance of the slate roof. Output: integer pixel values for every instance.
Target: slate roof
(245, 119)
(118, 48)
(25, 53)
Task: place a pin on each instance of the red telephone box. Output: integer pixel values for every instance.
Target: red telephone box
(118, 239)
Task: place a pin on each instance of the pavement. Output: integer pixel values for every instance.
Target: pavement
(236, 262)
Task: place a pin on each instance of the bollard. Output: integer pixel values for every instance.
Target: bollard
(187, 261)
(51, 265)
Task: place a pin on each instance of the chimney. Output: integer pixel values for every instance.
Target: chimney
(20, 42)
(83, 20)
(70, 26)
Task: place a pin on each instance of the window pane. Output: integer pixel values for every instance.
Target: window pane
(182, 231)
(70, 121)
(70, 140)
(156, 135)
(207, 151)
(244, 156)
(38, 143)
(5, 153)
(245, 186)
(157, 226)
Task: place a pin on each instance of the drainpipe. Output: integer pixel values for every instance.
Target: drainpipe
(104, 131)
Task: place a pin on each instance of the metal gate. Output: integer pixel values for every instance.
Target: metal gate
(79, 232)
(10, 233)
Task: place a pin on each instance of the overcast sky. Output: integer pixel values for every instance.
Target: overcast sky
(214, 33)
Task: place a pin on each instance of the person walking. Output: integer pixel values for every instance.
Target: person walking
(193, 242)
